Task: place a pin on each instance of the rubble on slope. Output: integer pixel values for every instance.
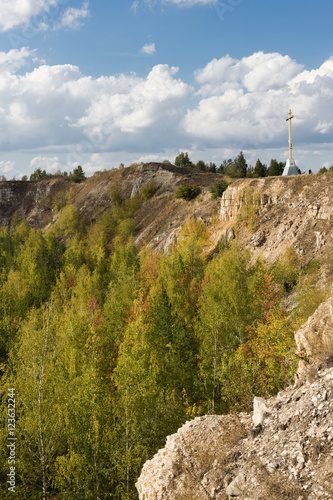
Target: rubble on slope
(285, 451)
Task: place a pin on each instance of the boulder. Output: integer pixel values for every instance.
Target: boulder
(315, 337)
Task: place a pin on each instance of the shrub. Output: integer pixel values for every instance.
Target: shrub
(287, 269)
(263, 365)
(148, 190)
(59, 201)
(218, 189)
(248, 212)
(187, 192)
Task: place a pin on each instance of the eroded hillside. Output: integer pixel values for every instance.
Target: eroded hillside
(156, 222)
(268, 214)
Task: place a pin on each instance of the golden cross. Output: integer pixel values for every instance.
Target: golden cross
(290, 144)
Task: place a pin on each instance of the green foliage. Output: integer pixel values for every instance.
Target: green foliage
(77, 175)
(39, 174)
(69, 222)
(237, 168)
(201, 165)
(228, 304)
(324, 170)
(148, 190)
(212, 167)
(249, 206)
(110, 351)
(187, 192)
(288, 269)
(218, 189)
(60, 174)
(123, 211)
(260, 170)
(183, 160)
(275, 167)
(262, 365)
(223, 167)
(310, 290)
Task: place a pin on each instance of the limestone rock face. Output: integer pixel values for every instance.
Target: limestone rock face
(288, 454)
(191, 464)
(289, 211)
(315, 337)
(32, 200)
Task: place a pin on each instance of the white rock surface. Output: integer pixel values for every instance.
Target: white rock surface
(220, 457)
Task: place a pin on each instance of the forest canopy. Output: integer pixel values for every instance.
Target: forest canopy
(110, 350)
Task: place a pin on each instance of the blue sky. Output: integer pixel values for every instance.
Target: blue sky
(104, 82)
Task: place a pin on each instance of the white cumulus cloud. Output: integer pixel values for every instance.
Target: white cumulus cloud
(143, 104)
(6, 167)
(74, 18)
(57, 106)
(14, 59)
(57, 112)
(50, 164)
(17, 12)
(149, 48)
(246, 101)
(258, 72)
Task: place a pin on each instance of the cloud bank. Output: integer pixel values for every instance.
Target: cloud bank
(236, 104)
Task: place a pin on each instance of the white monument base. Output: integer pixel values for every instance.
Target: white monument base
(291, 168)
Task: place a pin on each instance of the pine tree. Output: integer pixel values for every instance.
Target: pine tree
(260, 170)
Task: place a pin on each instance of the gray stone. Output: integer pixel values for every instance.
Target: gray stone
(237, 487)
(260, 411)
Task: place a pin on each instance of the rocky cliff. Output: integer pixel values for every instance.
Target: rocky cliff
(284, 449)
(157, 222)
(288, 455)
(294, 211)
(268, 214)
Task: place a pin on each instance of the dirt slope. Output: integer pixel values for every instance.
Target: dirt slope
(294, 211)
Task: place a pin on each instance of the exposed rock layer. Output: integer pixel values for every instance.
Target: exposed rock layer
(157, 222)
(291, 211)
(284, 451)
(220, 457)
(315, 337)
(283, 212)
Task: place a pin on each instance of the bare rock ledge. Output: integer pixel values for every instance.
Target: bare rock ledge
(285, 451)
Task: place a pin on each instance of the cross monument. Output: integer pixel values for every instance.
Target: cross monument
(290, 168)
(290, 143)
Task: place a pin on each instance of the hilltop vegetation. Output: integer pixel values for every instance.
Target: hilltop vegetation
(110, 349)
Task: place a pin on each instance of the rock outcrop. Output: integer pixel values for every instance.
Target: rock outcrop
(284, 449)
(31, 200)
(157, 222)
(315, 337)
(286, 452)
(294, 211)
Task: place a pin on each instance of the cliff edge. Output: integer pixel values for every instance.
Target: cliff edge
(283, 449)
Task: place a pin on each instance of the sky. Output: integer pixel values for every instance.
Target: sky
(101, 83)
